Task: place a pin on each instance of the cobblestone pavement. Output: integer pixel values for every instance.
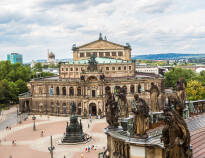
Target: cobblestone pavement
(29, 143)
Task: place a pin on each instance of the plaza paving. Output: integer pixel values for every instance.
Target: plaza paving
(30, 144)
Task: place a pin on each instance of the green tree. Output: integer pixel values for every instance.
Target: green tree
(21, 85)
(172, 76)
(38, 67)
(195, 90)
(4, 92)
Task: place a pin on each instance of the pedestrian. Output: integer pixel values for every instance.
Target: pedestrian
(88, 125)
(88, 148)
(41, 133)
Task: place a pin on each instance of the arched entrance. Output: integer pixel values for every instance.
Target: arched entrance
(93, 109)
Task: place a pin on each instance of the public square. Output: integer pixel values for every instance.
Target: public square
(31, 144)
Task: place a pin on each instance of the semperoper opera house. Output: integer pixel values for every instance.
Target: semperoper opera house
(97, 67)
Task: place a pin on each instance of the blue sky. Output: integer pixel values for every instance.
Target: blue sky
(31, 27)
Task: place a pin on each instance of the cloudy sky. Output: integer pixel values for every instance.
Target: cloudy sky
(31, 27)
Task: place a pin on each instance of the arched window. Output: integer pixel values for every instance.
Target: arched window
(71, 91)
(117, 89)
(64, 108)
(52, 107)
(79, 91)
(107, 89)
(64, 90)
(58, 108)
(139, 88)
(132, 89)
(57, 91)
(79, 109)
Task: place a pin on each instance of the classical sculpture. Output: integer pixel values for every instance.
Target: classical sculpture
(180, 88)
(72, 108)
(141, 111)
(154, 93)
(74, 131)
(92, 64)
(122, 103)
(175, 104)
(175, 135)
(111, 111)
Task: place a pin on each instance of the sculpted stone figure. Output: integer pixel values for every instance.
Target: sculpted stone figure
(154, 93)
(175, 104)
(141, 111)
(111, 111)
(122, 103)
(180, 88)
(175, 135)
(92, 64)
(72, 108)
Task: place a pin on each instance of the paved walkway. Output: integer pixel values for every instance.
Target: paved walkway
(37, 146)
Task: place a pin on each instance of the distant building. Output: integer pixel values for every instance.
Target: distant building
(150, 69)
(15, 58)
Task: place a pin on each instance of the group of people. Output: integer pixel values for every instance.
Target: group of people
(8, 127)
(90, 147)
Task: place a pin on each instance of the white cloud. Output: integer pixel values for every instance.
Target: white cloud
(157, 26)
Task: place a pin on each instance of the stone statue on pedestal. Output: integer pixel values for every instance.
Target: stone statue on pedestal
(154, 93)
(92, 64)
(141, 111)
(122, 103)
(72, 108)
(175, 104)
(175, 135)
(180, 88)
(74, 131)
(111, 111)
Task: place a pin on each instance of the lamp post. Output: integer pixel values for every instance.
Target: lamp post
(51, 148)
(34, 126)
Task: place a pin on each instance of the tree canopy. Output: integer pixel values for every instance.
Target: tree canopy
(14, 78)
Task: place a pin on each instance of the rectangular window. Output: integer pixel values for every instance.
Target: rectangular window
(130, 67)
(71, 69)
(125, 67)
(119, 68)
(66, 69)
(107, 54)
(62, 69)
(107, 68)
(76, 69)
(87, 54)
(113, 53)
(101, 54)
(82, 54)
(120, 54)
(95, 54)
(113, 68)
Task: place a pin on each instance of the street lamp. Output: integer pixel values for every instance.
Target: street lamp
(34, 126)
(51, 148)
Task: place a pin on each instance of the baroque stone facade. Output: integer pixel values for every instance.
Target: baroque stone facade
(87, 87)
